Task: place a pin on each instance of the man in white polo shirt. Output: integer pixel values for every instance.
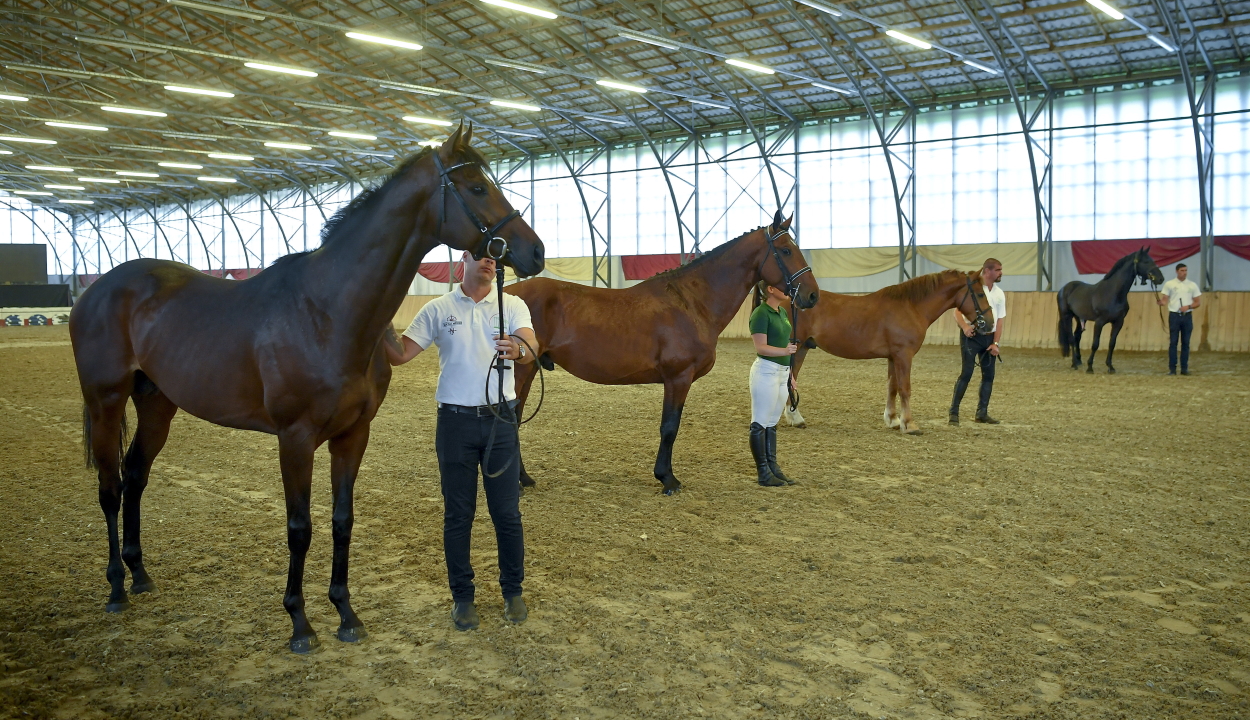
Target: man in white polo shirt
(1181, 297)
(464, 324)
(981, 349)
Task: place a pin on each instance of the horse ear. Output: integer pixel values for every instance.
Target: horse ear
(786, 225)
(467, 140)
(777, 220)
(453, 142)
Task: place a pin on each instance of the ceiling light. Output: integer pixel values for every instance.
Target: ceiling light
(199, 91)
(418, 91)
(352, 135)
(75, 126)
(426, 120)
(982, 68)
(516, 65)
(621, 86)
(820, 6)
(110, 181)
(210, 178)
(65, 187)
(1106, 8)
(226, 156)
(6, 152)
(187, 166)
(280, 69)
(650, 40)
(14, 98)
(834, 88)
(37, 141)
(431, 143)
(750, 66)
(213, 8)
(708, 103)
(50, 168)
(909, 39)
(131, 173)
(29, 192)
(605, 119)
(522, 8)
(76, 202)
(1161, 43)
(324, 106)
(383, 40)
(512, 132)
(515, 105)
(133, 111)
(288, 146)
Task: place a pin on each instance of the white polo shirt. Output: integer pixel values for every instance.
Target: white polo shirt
(998, 302)
(465, 331)
(1179, 293)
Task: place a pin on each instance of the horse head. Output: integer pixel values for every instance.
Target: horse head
(1145, 268)
(477, 217)
(974, 305)
(788, 270)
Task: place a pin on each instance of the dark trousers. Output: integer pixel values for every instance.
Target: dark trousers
(976, 351)
(460, 442)
(1180, 325)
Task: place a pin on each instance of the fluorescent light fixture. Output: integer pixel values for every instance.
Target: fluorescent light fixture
(834, 88)
(516, 65)
(621, 86)
(280, 69)
(29, 192)
(1161, 42)
(418, 91)
(14, 98)
(383, 41)
(512, 132)
(75, 126)
(650, 40)
(820, 6)
(982, 68)
(430, 143)
(709, 103)
(133, 111)
(77, 202)
(6, 152)
(1106, 8)
(227, 156)
(324, 106)
(750, 66)
(210, 178)
(288, 146)
(426, 120)
(522, 8)
(50, 168)
(605, 119)
(515, 105)
(909, 39)
(110, 181)
(185, 166)
(15, 138)
(132, 173)
(220, 9)
(198, 91)
(65, 187)
(352, 135)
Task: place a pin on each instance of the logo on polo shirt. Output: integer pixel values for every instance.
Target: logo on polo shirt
(450, 324)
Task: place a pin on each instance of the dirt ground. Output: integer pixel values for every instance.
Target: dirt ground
(1088, 558)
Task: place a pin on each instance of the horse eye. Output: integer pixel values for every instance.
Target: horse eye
(477, 190)
(786, 252)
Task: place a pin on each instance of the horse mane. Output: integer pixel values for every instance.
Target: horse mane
(1121, 263)
(919, 288)
(703, 258)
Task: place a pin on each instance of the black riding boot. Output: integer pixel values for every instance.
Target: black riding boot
(961, 386)
(759, 451)
(770, 434)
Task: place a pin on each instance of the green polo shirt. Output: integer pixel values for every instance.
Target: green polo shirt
(776, 325)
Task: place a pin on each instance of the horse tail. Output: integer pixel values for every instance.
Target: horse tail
(546, 362)
(1065, 323)
(123, 438)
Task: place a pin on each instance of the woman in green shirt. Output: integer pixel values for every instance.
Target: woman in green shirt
(770, 329)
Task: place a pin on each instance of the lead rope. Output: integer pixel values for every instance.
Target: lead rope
(791, 393)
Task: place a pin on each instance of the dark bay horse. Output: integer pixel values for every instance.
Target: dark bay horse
(1106, 301)
(308, 365)
(889, 323)
(662, 330)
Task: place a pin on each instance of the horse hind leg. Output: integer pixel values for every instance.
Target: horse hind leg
(1093, 347)
(104, 432)
(346, 452)
(524, 379)
(892, 417)
(902, 380)
(1115, 332)
(155, 412)
(1076, 343)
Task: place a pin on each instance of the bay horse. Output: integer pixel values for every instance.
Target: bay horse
(662, 330)
(889, 323)
(308, 365)
(1106, 301)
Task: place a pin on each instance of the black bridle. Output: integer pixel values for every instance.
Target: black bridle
(489, 235)
(980, 323)
(792, 290)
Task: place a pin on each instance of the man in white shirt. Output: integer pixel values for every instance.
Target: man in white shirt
(1181, 297)
(464, 324)
(981, 349)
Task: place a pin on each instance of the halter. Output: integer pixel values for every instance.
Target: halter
(980, 323)
(489, 236)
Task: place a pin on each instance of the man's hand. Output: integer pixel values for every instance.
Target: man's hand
(1163, 300)
(994, 349)
(1185, 308)
(968, 331)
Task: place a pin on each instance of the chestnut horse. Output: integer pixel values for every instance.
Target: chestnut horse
(662, 330)
(307, 365)
(890, 323)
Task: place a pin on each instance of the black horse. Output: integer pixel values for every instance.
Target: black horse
(1106, 301)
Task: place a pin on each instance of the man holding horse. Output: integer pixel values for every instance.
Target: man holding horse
(464, 324)
(1181, 296)
(979, 349)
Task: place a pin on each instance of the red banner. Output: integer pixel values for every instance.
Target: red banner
(440, 272)
(641, 267)
(1097, 256)
(1238, 245)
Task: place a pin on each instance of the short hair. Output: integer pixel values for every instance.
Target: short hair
(990, 262)
(1181, 265)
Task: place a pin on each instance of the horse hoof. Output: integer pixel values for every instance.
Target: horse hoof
(1090, 371)
(801, 426)
(139, 588)
(673, 490)
(914, 431)
(352, 634)
(305, 645)
(117, 607)
(1110, 370)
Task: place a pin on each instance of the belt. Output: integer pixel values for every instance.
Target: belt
(1176, 312)
(475, 410)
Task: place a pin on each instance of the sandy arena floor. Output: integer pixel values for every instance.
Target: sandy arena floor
(1088, 558)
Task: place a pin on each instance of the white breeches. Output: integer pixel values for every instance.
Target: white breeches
(768, 391)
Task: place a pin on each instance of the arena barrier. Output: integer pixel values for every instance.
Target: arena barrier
(1221, 324)
(26, 317)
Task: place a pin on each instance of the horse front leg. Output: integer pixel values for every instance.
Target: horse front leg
(346, 452)
(523, 375)
(1076, 343)
(902, 381)
(295, 454)
(891, 390)
(1093, 347)
(1115, 330)
(675, 391)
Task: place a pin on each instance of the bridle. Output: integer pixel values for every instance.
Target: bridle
(792, 290)
(489, 235)
(981, 324)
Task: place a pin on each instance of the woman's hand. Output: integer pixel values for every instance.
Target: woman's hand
(792, 348)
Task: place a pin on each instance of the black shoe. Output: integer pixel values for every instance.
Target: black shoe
(1172, 371)
(1184, 372)
(953, 419)
(464, 615)
(984, 417)
(514, 610)
(770, 448)
(759, 452)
